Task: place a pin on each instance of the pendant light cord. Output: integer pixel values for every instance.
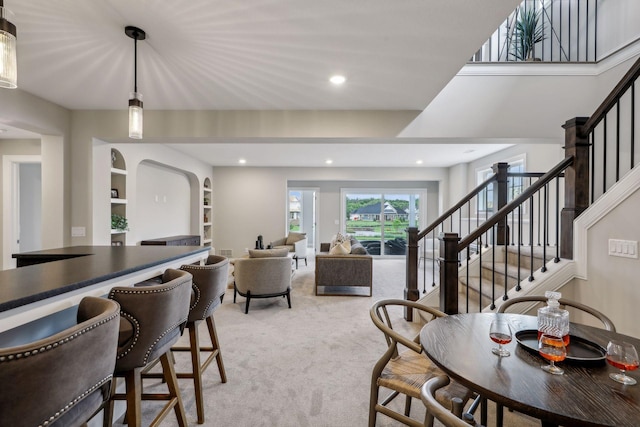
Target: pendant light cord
(135, 63)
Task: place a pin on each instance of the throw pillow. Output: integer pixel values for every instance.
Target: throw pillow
(343, 248)
(268, 253)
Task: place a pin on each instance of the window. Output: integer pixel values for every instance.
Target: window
(379, 219)
(515, 186)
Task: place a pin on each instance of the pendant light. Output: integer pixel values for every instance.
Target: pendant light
(135, 101)
(8, 64)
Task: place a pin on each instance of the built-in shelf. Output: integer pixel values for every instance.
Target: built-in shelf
(119, 187)
(206, 209)
(118, 171)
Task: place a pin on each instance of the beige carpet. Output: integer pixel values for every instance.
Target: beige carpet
(305, 366)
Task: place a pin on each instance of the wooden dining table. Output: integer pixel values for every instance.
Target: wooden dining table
(584, 396)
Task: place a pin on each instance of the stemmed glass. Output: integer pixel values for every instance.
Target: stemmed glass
(623, 356)
(500, 333)
(553, 349)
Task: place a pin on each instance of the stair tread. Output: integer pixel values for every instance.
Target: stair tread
(538, 251)
(512, 270)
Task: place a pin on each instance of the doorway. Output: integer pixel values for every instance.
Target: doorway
(301, 213)
(22, 206)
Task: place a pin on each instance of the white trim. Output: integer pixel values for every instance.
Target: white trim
(615, 195)
(8, 188)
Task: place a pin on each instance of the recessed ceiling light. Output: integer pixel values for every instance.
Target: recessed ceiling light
(338, 79)
(471, 150)
(328, 161)
(418, 162)
(242, 161)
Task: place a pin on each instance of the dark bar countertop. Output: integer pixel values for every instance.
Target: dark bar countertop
(75, 267)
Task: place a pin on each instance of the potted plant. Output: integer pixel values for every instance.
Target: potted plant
(119, 222)
(526, 35)
(206, 201)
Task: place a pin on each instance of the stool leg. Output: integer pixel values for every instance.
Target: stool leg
(196, 369)
(133, 382)
(215, 344)
(174, 391)
(107, 411)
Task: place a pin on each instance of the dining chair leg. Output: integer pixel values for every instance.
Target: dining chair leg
(174, 391)
(407, 406)
(215, 344)
(428, 419)
(373, 400)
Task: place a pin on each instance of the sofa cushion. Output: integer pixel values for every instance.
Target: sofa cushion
(343, 248)
(268, 253)
(294, 237)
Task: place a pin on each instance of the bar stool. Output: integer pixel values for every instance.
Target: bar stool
(152, 319)
(209, 285)
(62, 379)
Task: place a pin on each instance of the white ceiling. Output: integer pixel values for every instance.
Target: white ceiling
(254, 55)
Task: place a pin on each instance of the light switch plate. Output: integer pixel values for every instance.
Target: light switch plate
(623, 248)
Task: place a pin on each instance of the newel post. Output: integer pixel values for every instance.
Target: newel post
(500, 200)
(576, 181)
(411, 292)
(449, 272)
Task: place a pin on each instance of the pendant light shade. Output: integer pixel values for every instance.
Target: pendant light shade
(8, 63)
(135, 100)
(135, 115)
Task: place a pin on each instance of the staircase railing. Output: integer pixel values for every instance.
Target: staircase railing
(597, 155)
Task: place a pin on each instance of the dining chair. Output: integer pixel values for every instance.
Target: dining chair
(448, 418)
(65, 378)
(564, 302)
(606, 322)
(404, 371)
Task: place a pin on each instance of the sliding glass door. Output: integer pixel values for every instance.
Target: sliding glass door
(379, 219)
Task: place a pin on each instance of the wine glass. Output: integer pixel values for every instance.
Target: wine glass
(623, 356)
(500, 333)
(553, 349)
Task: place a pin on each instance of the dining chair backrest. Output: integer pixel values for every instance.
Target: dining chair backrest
(606, 322)
(442, 414)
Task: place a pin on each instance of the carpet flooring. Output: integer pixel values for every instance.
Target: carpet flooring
(305, 366)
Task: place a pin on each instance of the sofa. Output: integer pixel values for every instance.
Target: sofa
(340, 273)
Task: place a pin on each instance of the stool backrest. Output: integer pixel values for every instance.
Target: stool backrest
(155, 316)
(63, 378)
(209, 285)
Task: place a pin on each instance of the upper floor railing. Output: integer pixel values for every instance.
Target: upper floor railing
(545, 30)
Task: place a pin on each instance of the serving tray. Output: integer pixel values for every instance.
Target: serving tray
(579, 350)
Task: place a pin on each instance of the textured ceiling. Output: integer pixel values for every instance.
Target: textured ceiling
(249, 54)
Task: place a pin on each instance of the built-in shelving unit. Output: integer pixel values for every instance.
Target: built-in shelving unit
(118, 195)
(207, 220)
(206, 213)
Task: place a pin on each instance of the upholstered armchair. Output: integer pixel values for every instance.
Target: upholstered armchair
(296, 243)
(262, 278)
(65, 378)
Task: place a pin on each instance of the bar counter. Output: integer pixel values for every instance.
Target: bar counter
(55, 280)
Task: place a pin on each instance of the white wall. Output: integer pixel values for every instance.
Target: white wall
(248, 202)
(163, 198)
(617, 25)
(612, 285)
